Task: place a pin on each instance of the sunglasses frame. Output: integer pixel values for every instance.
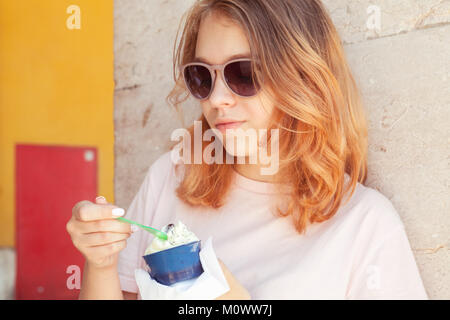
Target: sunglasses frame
(212, 68)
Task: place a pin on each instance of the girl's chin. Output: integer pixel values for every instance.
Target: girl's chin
(240, 152)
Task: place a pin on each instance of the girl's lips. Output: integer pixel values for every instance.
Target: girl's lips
(229, 125)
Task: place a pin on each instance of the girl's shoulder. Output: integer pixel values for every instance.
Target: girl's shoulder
(166, 166)
(371, 208)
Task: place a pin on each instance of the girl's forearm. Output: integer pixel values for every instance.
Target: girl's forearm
(100, 284)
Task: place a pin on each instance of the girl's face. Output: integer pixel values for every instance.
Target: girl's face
(218, 41)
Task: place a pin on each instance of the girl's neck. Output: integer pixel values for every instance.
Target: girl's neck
(253, 171)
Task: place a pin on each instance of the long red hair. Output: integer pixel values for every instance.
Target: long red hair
(318, 109)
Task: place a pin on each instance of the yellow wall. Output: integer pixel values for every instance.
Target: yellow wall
(56, 87)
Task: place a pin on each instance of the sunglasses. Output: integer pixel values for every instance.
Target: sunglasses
(237, 74)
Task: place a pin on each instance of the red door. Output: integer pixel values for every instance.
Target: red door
(49, 181)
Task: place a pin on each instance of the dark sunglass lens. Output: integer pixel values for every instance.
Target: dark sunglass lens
(239, 77)
(198, 79)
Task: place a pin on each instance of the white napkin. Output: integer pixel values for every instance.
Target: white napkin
(209, 285)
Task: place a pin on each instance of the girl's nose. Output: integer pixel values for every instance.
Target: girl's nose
(221, 95)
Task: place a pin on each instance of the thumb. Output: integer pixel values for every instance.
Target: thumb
(101, 200)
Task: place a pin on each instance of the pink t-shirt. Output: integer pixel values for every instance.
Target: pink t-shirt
(361, 253)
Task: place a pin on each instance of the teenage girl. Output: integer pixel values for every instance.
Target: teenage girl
(309, 229)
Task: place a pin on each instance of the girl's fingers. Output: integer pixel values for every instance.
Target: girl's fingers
(105, 250)
(96, 232)
(108, 225)
(101, 238)
(88, 211)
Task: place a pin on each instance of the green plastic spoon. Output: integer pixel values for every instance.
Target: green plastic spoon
(155, 232)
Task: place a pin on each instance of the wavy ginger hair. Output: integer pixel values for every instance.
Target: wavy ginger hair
(318, 109)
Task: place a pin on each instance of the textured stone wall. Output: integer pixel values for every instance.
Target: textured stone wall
(7, 273)
(399, 51)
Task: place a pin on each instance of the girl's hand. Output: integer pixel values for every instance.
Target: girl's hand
(237, 291)
(96, 233)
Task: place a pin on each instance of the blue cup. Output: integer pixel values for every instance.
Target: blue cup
(175, 264)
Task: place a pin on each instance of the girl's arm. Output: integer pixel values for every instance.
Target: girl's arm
(100, 283)
(99, 237)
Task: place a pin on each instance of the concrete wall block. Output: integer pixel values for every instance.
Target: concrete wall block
(144, 33)
(7, 273)
(408, 97)
(357, 20)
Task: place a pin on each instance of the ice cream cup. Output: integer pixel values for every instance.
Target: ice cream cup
(175, 264)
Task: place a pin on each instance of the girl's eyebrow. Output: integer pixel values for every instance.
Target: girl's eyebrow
(234, 56)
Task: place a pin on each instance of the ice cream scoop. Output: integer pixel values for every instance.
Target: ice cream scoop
(176, 259)
(177, 235)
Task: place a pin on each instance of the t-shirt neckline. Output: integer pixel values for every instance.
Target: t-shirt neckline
(259, 186)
